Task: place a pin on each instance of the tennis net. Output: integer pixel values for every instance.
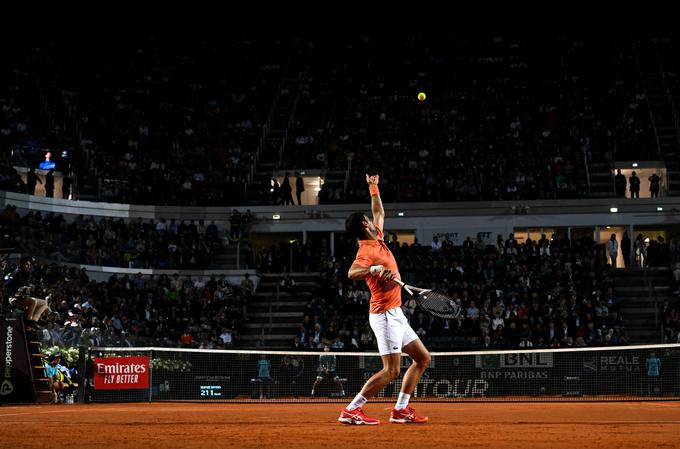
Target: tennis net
(649, 372)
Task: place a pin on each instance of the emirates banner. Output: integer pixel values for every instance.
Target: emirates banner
(121, 373)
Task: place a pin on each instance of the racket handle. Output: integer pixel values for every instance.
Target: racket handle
(398, 281)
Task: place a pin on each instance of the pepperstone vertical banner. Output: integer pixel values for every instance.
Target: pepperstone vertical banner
(15, 378)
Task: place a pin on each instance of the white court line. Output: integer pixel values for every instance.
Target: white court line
(535, 423)
(585, 423)
(22, 407)
(571, 423)
(31, 413)
(508, 422)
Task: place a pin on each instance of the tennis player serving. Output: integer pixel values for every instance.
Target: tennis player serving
(375, 263)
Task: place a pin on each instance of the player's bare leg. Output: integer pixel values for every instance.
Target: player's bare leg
(421, 360)
(402, 413)
(353, 414)
(391, 369)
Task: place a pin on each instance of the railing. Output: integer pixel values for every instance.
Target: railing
(282, 147)
(256, 157)
(649, 104)
(271, 316)
(267, 126)
(348, 173)
(238, 254)
(277, 298)
(638, 212)
(654, 301)
(650, 293)
(669, 94)
(75, 186)
(585, 162)
(301, 78)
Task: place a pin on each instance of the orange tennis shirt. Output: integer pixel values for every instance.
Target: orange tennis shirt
(384, 295)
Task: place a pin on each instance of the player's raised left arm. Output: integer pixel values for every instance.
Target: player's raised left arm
(376, 202)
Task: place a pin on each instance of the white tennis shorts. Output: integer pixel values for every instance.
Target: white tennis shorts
(392, 331)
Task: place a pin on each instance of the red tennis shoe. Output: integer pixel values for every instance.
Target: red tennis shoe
(356, 416)
(406, 415)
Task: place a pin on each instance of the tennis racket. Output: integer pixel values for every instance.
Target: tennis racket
(435, 303)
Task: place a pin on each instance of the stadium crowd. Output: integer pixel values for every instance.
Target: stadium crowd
(162, 244)
(483, 105)
(137, 310)
(671, 313)
(545, 293)
(180, 123)
(166, 122)
(154, 121)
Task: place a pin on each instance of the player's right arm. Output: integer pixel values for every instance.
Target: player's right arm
(357, 272)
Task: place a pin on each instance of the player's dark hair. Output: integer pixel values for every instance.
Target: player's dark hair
(354, 225)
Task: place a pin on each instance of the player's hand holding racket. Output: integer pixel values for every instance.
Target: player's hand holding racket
(383, 273)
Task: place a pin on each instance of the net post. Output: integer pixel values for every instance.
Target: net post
(88, 377)
(82, 365)
(150, 374)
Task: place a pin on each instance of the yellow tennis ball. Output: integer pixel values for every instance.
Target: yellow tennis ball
(421, 96)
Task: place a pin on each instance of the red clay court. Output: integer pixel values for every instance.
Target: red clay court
(190, 425)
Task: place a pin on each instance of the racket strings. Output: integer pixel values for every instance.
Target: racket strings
(439, 304)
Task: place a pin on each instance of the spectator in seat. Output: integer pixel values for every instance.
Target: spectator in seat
(247, 285)
(227, 337)
(235, 228)
(436, 244)
(288, 284)
(297, 345)
(186, 338)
